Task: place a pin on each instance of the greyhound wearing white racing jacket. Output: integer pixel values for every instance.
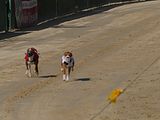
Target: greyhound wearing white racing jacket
(67, 64)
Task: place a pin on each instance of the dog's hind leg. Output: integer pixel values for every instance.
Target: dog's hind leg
(36, 69)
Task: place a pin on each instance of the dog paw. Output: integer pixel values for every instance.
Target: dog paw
(29, 75)
(26, 72)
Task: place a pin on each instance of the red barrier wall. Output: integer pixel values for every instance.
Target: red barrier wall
(26, 12)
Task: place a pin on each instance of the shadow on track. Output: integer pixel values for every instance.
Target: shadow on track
(47, 76)
(83, 79)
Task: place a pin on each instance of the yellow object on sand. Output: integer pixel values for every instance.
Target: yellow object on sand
(115, 93)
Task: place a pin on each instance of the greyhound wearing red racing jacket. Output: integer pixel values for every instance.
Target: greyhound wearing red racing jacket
(31, 57)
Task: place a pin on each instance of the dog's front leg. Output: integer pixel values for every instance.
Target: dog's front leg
(63, 69)
(29, 71)
(68, 73)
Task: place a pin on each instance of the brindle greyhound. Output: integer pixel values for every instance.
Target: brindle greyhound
(31, 57)
(67, 64)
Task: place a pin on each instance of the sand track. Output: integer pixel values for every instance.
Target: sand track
(118, 48)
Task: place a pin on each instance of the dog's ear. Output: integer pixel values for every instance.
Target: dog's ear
(65, 53)
(70, 54)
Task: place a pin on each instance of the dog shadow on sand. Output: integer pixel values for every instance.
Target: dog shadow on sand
(47, 76)
(83, 79)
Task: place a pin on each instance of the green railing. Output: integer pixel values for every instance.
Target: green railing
(7, 18)
(3, 15)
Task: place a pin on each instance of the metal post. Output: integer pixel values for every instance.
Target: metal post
(87, 3)
(56, 8)
(6, 15)
(9, 14)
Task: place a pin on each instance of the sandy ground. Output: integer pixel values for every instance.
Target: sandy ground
(117, 48)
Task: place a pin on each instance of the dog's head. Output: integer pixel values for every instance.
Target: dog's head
(67, 57)
(30, 55)
(68, 54)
